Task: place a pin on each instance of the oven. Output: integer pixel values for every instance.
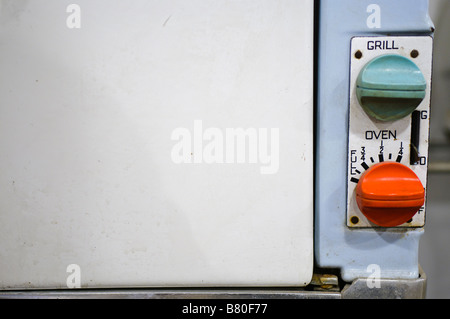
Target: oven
(214, 148)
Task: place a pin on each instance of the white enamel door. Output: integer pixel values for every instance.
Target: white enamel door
(156, 143)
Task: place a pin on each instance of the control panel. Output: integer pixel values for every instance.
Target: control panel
(390, 86)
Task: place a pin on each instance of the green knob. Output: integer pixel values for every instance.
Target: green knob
(390, 87)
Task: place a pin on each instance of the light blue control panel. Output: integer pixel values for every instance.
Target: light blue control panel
(344, 240)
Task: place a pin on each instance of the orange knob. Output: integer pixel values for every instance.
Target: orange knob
(389, 194)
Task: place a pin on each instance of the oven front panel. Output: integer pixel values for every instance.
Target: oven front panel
(156, 143)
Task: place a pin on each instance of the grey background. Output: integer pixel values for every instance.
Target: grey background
(434, 254)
